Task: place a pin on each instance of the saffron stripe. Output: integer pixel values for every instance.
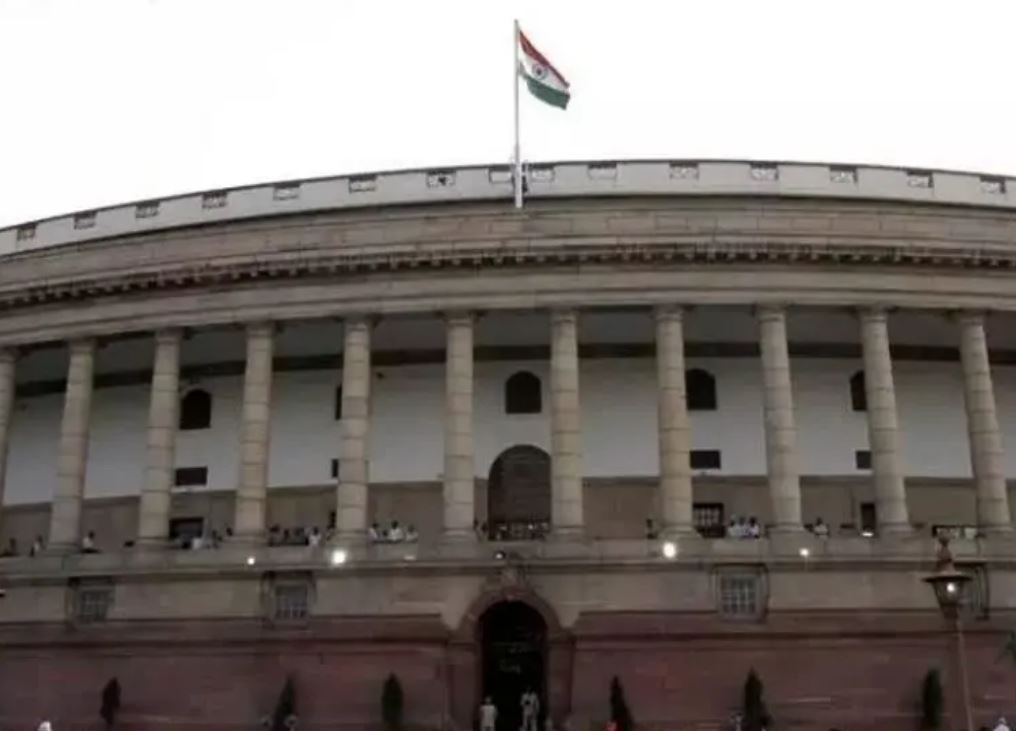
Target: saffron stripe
(530, 50)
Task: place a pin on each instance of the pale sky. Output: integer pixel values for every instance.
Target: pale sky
(109, 101)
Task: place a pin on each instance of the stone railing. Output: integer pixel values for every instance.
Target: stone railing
(493, 183)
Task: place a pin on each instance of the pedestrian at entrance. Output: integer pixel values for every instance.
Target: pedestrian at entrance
(530, 710)
(1002, 725)
(488, 715)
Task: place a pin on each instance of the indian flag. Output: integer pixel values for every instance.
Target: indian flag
(544, 81)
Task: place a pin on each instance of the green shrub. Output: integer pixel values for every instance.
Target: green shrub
(755, 715)
(931, 701)
(110, 702)
(391, 704)
(619, 712)
(284, 716)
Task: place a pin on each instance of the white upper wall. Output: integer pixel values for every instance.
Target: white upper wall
(618, 403)
(618, 421)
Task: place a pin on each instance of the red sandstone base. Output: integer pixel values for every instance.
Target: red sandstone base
(678, 671)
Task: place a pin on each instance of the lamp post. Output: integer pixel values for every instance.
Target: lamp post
(950, 587)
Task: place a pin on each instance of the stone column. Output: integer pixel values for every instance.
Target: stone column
(8, 359)
(459, 473)
(781, 434)
(65, 517)
(986, 455)
(163, 420)
(255, 428)
(883, 423)
(565, 426)
(351, 493)
(674, 430)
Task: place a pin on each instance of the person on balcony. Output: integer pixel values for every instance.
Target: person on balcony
(374, 532)
(395, 533)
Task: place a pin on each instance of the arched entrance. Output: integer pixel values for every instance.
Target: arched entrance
(518, 494)
(468, 658)
(513, 642)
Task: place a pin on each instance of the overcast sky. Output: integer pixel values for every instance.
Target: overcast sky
(106, 101)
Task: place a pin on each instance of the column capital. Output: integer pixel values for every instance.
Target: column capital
(261, 328)
(873, 313)
(8, 354)
(360, 320)
(564, 314)
(969, 317)
(770, 311)
(669, 312)
(82, 345)
(459, 317)
(169, 335)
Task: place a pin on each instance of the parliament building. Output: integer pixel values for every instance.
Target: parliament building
(669, 422)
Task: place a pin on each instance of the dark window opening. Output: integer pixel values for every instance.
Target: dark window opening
(190, 476)
(93, 604)
(196, 410)
(292, 601)
(338, 403)
(335, 468)
(740, 595)
(523, 394)
(869, 518)
(708, 519)
(705, 459)
(184, 529)
(862, 459)
(858, 398)
(700, 386)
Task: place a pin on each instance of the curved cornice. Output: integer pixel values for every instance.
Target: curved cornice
(563, 253)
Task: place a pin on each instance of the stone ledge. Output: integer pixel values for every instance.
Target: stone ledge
(693, 554)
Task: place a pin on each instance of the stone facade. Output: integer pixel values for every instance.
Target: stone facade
(842, 629)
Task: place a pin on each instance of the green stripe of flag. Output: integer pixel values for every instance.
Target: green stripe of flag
(552, 96)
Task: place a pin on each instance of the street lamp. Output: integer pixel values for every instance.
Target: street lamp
(950, 587)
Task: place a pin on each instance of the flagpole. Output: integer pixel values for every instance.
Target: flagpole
(517, 162)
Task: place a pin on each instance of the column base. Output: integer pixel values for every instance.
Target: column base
(1005, 529)
(60, 549)
(896, 529)
(459, 535)
(247, 539)
(784, 529)
(349, 539)
(685, 532)
(567, 534)
(152, 544)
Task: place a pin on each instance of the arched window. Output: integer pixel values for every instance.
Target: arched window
(196, 410)
(858, 398)
(701, 389)
(523, 394)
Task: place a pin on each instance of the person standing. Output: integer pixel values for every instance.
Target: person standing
(488, 715)
(530, 710)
